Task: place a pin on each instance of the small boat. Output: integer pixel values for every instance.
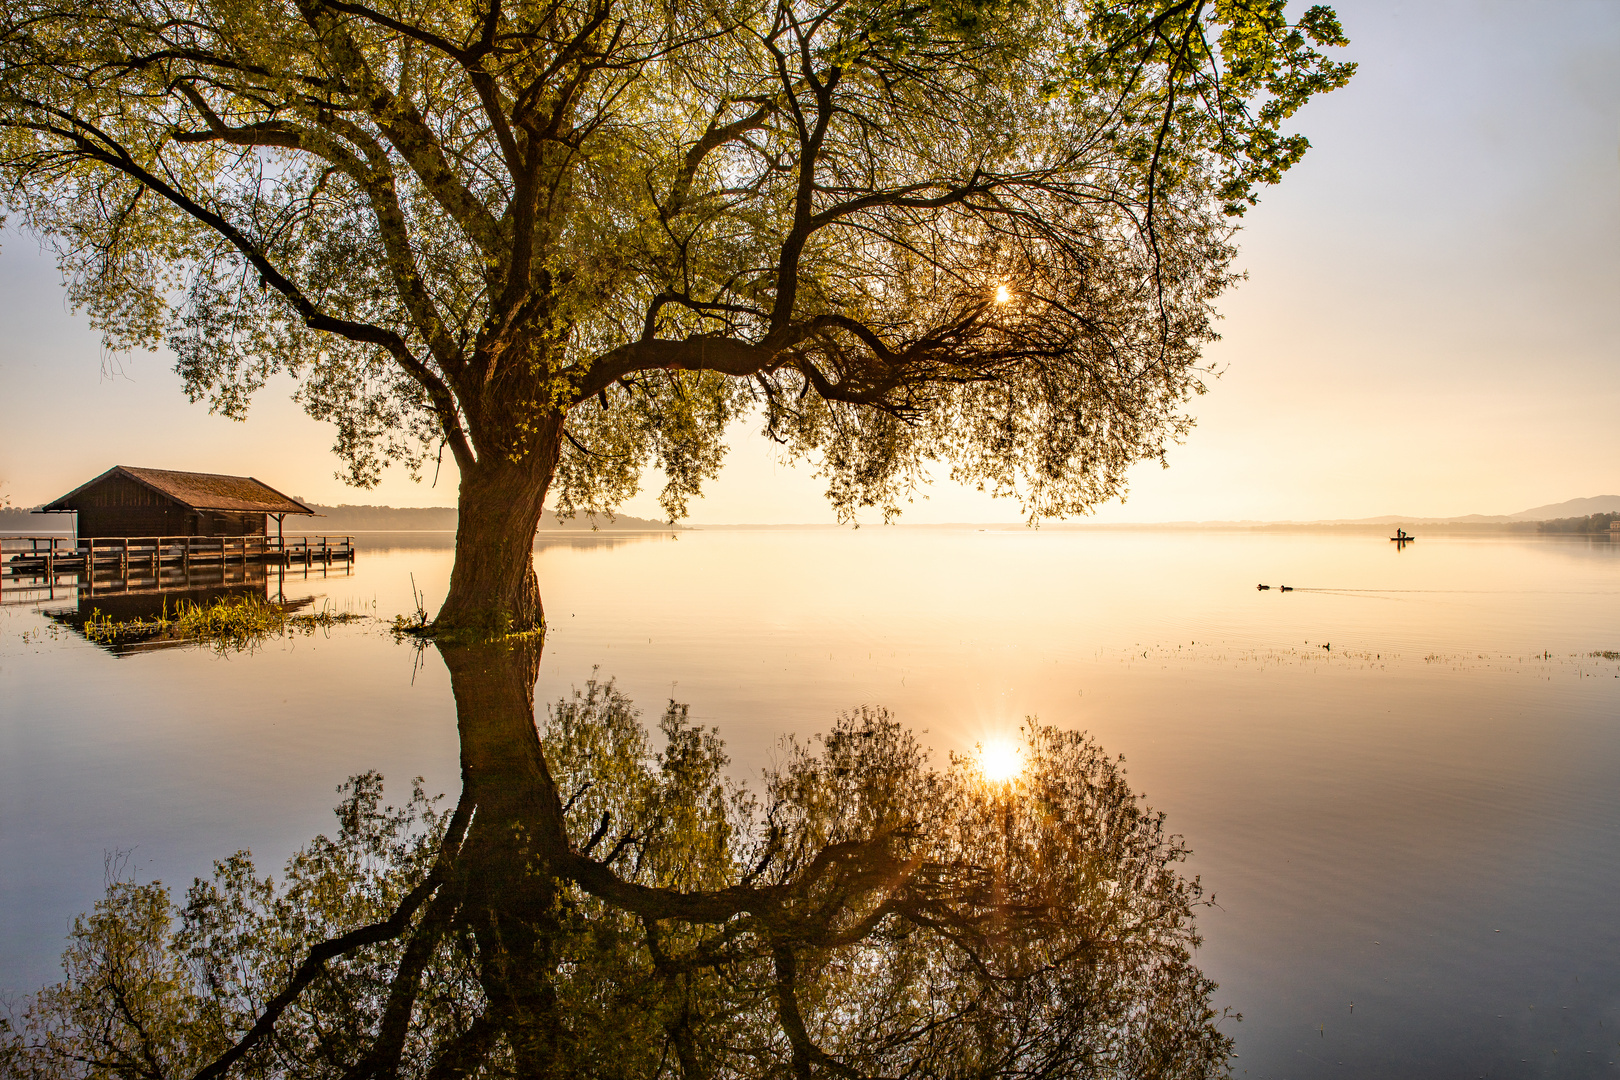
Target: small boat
(1262, 586)
(1286, 588)
(1402, 537)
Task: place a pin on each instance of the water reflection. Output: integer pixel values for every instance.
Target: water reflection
(591, 907)
(1434, 782)
(142, 610)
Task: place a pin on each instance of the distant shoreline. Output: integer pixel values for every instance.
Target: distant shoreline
(1517, 528)
(1431, 528)
(349, 519)
(442, 519)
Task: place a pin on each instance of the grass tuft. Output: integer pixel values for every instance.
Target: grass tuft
(229, 624)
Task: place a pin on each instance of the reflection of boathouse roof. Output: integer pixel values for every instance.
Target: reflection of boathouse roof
(197, 491)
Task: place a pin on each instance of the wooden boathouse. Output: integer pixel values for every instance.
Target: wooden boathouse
(152, 528)
(130, 502)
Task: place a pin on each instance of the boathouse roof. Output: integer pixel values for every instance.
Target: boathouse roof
(198, 491)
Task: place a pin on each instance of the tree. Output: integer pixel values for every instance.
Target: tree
(590, 908)
(563, 238)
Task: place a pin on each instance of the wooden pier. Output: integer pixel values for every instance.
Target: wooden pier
(35, 564)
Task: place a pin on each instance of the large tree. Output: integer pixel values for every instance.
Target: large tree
(566, 238)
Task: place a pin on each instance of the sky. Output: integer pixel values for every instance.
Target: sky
(1430, 324)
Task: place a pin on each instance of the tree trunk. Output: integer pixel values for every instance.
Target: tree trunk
(493, 588)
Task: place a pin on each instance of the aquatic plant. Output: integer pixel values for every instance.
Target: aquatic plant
(228, 624)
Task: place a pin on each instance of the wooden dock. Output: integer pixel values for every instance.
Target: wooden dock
(30, 564)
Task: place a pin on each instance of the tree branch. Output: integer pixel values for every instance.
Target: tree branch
(406, 129)
(79, 132)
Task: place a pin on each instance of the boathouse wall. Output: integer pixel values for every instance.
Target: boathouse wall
(118, 506)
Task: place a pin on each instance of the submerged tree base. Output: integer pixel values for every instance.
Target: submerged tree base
(412, 626)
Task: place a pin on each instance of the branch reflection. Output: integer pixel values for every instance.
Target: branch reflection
(597, 904)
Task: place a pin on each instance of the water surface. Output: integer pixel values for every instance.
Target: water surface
(1398, 778)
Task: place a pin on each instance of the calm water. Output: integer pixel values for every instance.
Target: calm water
(1399, 780)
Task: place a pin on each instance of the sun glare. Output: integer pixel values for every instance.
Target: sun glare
(1000, 760)
(1003, 294)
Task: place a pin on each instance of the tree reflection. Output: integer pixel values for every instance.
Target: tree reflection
(591, 907)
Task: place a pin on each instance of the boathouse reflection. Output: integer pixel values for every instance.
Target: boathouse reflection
(149, 598)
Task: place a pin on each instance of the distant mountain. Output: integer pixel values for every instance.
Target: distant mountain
(1597, 504)
(359, 518)
(347, 516)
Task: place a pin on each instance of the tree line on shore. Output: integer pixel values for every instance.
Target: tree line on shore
(1591, 523)
(345, 517)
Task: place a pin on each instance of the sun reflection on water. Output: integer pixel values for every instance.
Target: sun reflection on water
(1000, 759)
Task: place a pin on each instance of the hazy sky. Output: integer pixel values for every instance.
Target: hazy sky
(1431, 323)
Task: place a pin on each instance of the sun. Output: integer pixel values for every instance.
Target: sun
(1000, 760)
(1003, 294)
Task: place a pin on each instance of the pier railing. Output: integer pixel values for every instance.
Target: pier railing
(41, 559)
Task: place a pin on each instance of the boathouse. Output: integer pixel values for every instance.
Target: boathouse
(126, 501)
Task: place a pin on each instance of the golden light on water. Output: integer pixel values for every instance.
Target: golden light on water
(1003, 294)
(1000, 759)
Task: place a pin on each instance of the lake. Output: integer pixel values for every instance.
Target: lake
(1399, 779)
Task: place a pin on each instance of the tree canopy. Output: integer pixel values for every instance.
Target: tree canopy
(865, 915)
(565, 239)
